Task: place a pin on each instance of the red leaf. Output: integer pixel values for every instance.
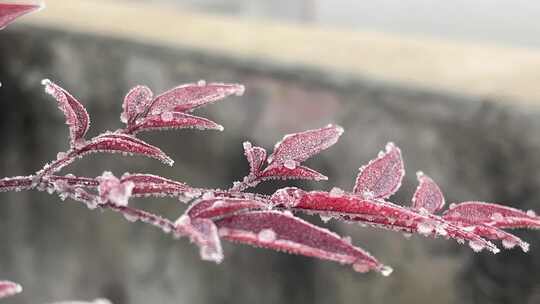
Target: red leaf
(148, 184)
(298, 147)
(284, 232)
(255, 156)
(76, 116)
(114, 142)
(428, 195)
(476, 213)
(222, 206)
(175, 120)
(378, 213)
(11, 11)
(8, 288)
(381, 177)
(16, 183)
(136, 104)
(508, 240)
(204, 233)
(188, 97)
(291, 172)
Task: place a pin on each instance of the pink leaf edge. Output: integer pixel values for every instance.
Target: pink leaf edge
(8, 289)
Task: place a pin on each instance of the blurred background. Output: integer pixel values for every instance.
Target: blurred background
(455, 84)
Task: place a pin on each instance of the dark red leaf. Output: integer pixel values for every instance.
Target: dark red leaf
(8, 288)
(188, 97)
(16, 183)
(298, 147)
(476, 213)
(204, 233)
(136, 104)
(381, 177)
(378, 213)
(115, 142)
(255, 156)
(428, 196)
(221, 206)
(508, 240)
(291, 172)
(148, 184)
(284, 232)
(11, 11)
(175, 120)
(76, 116)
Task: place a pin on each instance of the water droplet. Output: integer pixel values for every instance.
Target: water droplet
(407, 235)
(361, 267)
(325, 217)
(531, 213)
(497, 217)
(183, 220)
(476, 246)
(289, 164)
(123, 117)
(266, 235)
(167, 116)
(61, 155)
(347, 239)
(201, 83)
(424, 228)
(336, 192)
(368, 195)
(208, 195)
(131, 217)
(386, 270)
(452, 205)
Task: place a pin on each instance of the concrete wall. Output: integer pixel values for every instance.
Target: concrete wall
(475, 149)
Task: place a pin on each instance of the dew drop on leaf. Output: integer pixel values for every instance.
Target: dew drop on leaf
(266, 236)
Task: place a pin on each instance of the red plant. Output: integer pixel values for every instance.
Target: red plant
(256, 219)
(11, 11)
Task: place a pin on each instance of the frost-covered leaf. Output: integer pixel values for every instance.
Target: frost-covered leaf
(493, 233)
(16, 183)
(122, 143)
(174, 120)
(11, 11)
(255, 156)
(288, 171)
(381, 177)
(136, 104)
(284, 232)
(8, 288)
(76, 116)
(376, 213)
(188, 97)
(204, 233)
(428, 195)
(218, 207)
(298, 147)
(111, 189)
(148, 184)
(495, 215)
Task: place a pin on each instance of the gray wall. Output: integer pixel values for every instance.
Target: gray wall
(475, 149)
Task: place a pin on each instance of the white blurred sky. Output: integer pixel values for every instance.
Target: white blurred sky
(504, 22)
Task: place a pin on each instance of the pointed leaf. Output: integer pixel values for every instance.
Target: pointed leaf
(255, 156)
(175, 120)
(377, 213)
(428, 195)
(492, 214)
(204, 233)
(284, 232)
(221, 206)
(188, 97)
(136, 104)
(300, 146)
(76, 116)
(8, 289)
(11, 11)
(148, 184)
(290, 172)
(114, 143)
(381, 177)
(508, 240)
